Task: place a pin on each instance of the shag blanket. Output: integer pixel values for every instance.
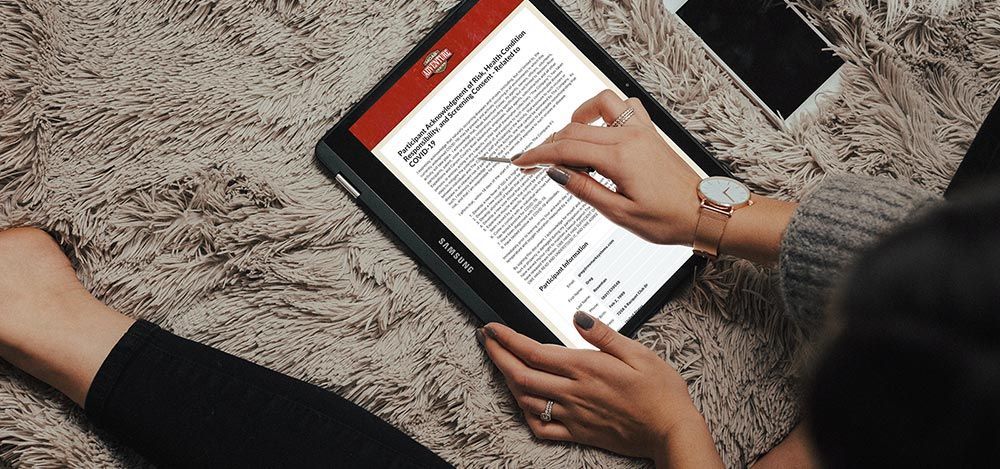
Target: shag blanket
(168, 145)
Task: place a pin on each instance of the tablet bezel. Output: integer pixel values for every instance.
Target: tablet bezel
(386, 197)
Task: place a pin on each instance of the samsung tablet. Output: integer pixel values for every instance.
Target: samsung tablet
(495, 78)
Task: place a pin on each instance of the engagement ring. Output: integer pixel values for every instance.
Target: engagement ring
(547, 415)
(623, 119)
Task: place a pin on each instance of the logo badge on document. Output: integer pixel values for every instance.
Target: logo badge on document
(436, 62)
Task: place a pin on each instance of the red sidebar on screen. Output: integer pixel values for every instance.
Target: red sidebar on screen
(426, 75)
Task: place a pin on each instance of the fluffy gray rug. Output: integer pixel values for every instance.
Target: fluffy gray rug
(168, 145)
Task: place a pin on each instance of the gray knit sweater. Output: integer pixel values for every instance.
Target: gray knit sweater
(834, 224)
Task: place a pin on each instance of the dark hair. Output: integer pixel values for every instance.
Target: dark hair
(912, 377)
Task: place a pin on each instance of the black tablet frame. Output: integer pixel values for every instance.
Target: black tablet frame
(385, 197)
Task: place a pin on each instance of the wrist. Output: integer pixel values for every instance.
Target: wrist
(686, 443)
(720, 198)
(755, 232)
(678, 420)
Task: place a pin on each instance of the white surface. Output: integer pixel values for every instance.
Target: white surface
(815, 102)
(674, 5)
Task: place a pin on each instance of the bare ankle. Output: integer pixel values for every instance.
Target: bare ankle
(50, 326)
(36, 280)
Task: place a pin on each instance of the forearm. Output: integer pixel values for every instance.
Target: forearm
(844, 216)
(689, 445)
(794, 452)
(755, 233)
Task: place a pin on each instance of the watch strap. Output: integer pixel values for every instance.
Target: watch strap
(708, 234)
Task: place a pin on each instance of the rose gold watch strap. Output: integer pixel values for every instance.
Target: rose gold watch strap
(708, 234)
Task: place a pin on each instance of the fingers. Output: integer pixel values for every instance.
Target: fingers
(607, 106)
(531, 388)
(608, 340)
(590, 134)
(641, 115)
(534, 405)
(521, 377)
(555, 431)
(583, 145)
(612, 205)
(550, 358)
(570, 153)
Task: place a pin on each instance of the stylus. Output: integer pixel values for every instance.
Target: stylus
(582, 169)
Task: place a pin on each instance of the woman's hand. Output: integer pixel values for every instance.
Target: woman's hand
(656, 194)
(623, 398)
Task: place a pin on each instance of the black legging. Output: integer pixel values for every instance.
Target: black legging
(982, 163)
(183, 404)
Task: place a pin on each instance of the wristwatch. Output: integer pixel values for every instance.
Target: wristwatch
(720, 197)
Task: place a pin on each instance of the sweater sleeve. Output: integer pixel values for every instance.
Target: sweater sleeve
(839, 220)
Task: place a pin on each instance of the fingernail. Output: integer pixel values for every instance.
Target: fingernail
(490, 332)
(558, 175)
(584, 320)
(515, 157)
(480, 338)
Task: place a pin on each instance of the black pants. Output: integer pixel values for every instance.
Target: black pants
(183, 404)
(982, 163)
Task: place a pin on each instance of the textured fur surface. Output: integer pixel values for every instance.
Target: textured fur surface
(168, 146)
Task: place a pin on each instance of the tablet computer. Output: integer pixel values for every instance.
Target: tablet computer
(495, 78)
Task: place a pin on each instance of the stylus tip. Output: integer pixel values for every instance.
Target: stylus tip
(493, 159)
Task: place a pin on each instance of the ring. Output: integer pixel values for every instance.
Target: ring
(547, 415)
(624, 118)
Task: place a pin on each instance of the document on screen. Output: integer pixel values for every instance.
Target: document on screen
(512, 79)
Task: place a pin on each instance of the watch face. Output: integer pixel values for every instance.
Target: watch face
(725, 191)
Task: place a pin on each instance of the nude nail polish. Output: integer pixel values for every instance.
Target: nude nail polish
(558, 175)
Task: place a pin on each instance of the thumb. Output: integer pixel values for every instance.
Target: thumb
(611, 204)
(607, 339)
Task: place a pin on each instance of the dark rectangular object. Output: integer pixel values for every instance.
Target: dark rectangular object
(386, 197)
(768, 45)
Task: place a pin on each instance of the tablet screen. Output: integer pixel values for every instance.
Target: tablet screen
(499, 82)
